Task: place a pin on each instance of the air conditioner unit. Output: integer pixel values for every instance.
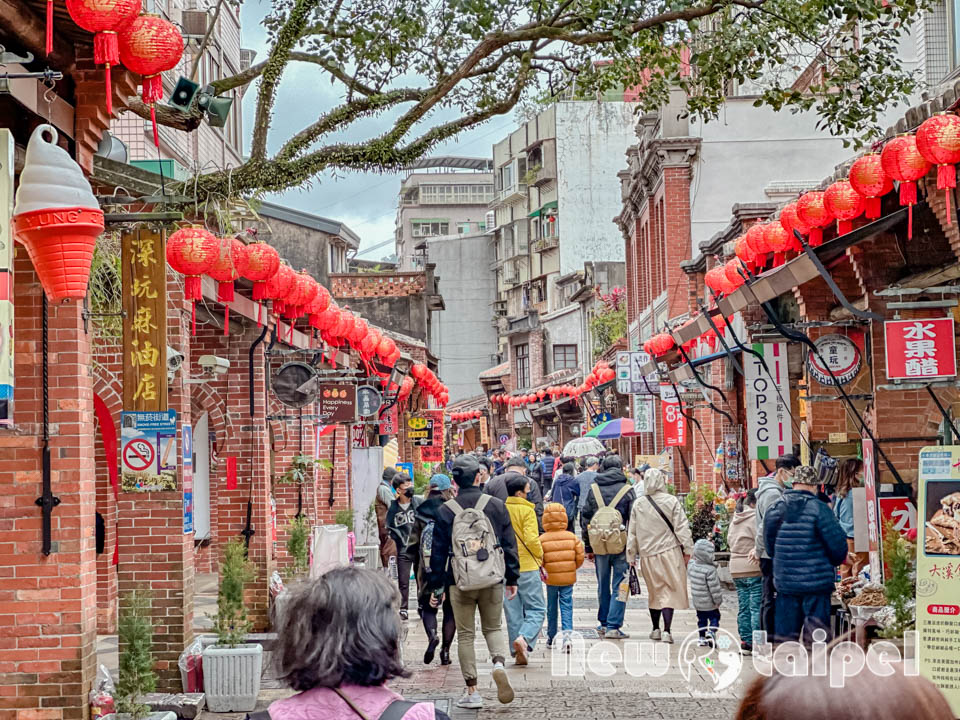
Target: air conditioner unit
(195, 23)
(491, 221)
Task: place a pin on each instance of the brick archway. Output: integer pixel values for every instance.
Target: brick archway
(108, 390)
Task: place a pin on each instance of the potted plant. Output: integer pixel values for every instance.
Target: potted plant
(232, 667)
(298, 545)
(137, 678)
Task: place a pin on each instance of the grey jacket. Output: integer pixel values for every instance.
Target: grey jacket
(703, 578)
(769, 493)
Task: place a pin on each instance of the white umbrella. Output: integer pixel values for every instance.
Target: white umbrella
(578, 447)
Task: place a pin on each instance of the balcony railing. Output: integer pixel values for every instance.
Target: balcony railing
(547, 243)
(515, 192)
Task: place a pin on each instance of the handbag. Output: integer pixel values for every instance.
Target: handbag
(543, 570)
(634, 581)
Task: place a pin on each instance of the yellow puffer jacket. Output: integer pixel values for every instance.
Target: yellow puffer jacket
(523, 517)
(562, 551)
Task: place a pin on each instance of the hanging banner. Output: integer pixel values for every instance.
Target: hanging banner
(388, 421)
(337, 403)
(870, 485)
(631, 380)
(187, 475)
(359, 436)
(484, 431)
(144, 299)
(938, 569)
(431, 454)
(148, 456)
(643, 414)
(769, 432)
(6, 278)
(674, 423)
(920, 349)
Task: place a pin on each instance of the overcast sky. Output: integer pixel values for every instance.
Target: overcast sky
(366, 202)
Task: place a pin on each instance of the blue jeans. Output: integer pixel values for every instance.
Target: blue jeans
(707, 620)
(798, 614)
(749, 599)
(526, 610)
(561, 595)
(611, 571)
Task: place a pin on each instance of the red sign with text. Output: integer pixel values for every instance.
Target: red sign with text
(389, 421)
(920, 349)
(674, 423)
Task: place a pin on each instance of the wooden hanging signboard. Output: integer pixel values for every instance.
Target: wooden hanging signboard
(145, 320)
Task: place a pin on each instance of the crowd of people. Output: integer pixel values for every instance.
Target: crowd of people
(497, 537)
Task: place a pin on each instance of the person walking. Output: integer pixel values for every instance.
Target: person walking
(566, 491)
(381, 504)
(659, 545)
(745, 568)
(587, 478)
(706, 591)
(474, 554)
(338, 644)
(420, 550)
(770, 491)
(806, 544)
(526, 609)
(486, 471)
(851, 470)
(603, 525)
(547, 464)
(400, 520)
(515, 467)
(562, 555)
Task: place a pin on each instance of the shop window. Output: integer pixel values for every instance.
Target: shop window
(523, 365)
(564, 357)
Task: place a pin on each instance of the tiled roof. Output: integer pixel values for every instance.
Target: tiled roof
(496, 371)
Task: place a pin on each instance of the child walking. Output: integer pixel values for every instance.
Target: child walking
(706, 591)
(745, 569)
(562, 555)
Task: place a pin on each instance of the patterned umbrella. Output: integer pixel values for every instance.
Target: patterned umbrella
(581, 446)
(612, 429)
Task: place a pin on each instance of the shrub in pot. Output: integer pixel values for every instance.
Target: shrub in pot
(232, 667)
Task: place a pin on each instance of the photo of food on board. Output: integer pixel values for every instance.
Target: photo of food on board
(942, 528)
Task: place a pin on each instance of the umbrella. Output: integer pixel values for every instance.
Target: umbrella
(612, 429)
(578, 447)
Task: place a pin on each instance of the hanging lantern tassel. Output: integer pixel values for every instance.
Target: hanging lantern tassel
(106, 51)
(225, 296)
(151, 94)
(49, 44)
(193, 291)
(947, 181)
(908, 197)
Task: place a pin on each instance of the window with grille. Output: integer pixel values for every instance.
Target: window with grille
(523, 365)
(430, 229)
(564, 357)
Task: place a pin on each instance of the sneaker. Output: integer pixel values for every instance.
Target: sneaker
(601, 630)
(667, 637)
(616, 634)
(746, 648)
(504, 691)
(520, 651)
(655, 634)
(404, 615)
(431, 650)
(702, 642)
(472, 701)
(567, 647)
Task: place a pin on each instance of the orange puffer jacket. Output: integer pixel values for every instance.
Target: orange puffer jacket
(562, 551)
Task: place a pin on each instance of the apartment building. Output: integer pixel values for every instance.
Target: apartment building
(440, 197)
(182, 155)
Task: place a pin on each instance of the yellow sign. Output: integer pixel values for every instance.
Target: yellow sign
(417, 423)
(836, 438)
(938, 570)
(145, 321)
(804, 447)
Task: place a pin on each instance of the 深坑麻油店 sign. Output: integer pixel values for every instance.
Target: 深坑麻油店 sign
(337, 403)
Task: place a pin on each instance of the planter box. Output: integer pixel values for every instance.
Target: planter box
(164, 715)
(231, 677)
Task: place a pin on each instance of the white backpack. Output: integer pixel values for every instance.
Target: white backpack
(606, 529)
(478, 560)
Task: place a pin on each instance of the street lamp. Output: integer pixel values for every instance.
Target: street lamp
(400, 370)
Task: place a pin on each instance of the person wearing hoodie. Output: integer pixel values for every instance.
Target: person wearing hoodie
(566, 491)
(525, 609)
(659, 543)
(769, 492)
(611, 485)
(562, 555)
(745, 568)
(385, 496)
(400, 520)
(419, 551)
(705, 590)
(807, 544)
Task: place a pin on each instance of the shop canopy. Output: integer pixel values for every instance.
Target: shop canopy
(552, 205)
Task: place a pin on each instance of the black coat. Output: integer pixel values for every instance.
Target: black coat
(496, 511)
(610, 482)
(428, 511)
(806, 543)
(498, 488)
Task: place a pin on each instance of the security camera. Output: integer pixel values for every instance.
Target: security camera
(174, 359)
(214, 365)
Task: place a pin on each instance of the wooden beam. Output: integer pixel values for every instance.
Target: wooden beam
(20, 22)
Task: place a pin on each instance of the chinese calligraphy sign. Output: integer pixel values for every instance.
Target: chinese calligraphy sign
(920, 349)
(144, 321)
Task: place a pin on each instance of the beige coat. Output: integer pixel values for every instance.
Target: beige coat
(648, 534)
(741, 537)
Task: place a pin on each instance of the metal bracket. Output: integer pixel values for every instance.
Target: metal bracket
(733, 359)
(86, 315)
(837, 292)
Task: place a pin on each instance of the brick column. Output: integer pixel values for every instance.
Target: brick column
(48, 609)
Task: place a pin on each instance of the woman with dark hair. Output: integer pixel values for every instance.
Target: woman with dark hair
(566, 491)
(864, 696)
(338, 644)
(851, 470)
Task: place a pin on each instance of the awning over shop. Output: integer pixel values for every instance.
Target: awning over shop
(552, 205)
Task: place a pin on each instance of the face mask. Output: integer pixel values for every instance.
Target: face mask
(408, 492)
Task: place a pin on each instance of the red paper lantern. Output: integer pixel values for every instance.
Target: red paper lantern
(317, 306)
(778, 240)
(902, 161)
(844, 203)
(386, 348)
(104, 18)
(712, 278)
(406, 387)
(757, 242)
(661, 344)
(813, 212)
(368, 347)
(741, 249)
(327, 318)
(418, 371)
(360, 330)
(731, 274)
(230, 264)
(192, 251)
(938, 140)
(869, 179)
(263, 262)
(345, 326)
(309, 288)
(791, 222)
(150, 45)
(607, 374)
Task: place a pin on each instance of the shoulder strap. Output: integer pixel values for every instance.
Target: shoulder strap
(621, 493)
(353, 707)
(454, 506)
(482, 503)
(396, 710)
(261, 715)
(596, 494)
(662, 514)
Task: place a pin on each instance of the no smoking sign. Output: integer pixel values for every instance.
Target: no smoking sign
(138, 454)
